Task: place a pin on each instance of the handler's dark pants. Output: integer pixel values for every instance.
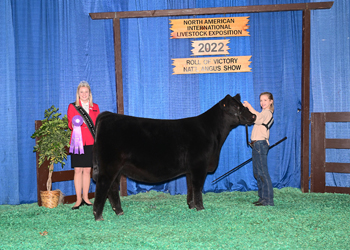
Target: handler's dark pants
(261, 173)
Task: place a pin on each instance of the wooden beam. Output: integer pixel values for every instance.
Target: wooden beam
(118, 65)
(119, 86)
(305, 103)
(67, 175)
(42, 172)
(318, 158)
(212, 11)
(338, 143)
(339, 190)
(337, 116)
(336, 167)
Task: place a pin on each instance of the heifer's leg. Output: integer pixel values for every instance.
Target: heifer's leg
(113, 196)
(190, 201)
(103, 183)
(198, 182)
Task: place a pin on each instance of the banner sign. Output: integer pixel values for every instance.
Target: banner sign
(210, 47)
(209, 27)
(203, 65)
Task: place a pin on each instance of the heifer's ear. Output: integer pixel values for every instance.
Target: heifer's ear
(225, 101)
(238, 97)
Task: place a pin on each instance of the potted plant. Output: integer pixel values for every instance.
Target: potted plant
(52, 139)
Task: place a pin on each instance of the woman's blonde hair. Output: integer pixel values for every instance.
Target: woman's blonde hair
(83, 84)
(270, 96)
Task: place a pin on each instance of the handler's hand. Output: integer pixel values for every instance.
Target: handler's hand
(246, 104)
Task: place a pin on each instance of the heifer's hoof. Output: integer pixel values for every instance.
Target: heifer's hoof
(118, 211)
(191, 205)
(199, 208)
(98, 217)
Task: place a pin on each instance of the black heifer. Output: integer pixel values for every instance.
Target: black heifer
(152, 150)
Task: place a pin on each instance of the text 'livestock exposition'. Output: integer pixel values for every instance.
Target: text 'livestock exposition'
(209, 27)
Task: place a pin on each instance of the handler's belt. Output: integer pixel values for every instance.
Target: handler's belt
(87, 119)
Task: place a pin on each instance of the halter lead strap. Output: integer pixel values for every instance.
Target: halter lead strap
(247, 136)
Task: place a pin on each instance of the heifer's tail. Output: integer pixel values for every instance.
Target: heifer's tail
(95, 163)
(95, 159)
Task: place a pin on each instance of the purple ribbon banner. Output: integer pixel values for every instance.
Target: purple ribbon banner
(77, 139)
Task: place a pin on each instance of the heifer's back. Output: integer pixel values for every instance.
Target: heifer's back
(151, 150)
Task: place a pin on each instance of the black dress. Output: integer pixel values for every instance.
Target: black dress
(82, 160)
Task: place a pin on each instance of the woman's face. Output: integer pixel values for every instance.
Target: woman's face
(265, 102)
(84, 94)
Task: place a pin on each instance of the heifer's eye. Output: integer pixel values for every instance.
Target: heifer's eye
(224, 105)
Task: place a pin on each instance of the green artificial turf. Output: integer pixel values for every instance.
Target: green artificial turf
(156, 220)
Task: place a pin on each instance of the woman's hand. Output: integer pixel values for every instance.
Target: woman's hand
(246, 104)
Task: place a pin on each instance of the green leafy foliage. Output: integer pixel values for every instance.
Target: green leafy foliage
(53, 136)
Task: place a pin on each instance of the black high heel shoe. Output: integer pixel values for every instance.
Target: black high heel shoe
(87, 204)
(77, 207)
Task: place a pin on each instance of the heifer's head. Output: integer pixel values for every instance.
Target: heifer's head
(236, 110)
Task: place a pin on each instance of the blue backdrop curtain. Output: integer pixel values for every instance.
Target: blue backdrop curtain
(48, 47)
(55, 46)
(275, 46)
(330, 76)
(9, 151)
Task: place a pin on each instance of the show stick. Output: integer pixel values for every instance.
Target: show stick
(244, 163)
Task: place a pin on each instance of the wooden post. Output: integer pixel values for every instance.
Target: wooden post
(41, 173)
(305, 103)
(318, 133)
(119, 86)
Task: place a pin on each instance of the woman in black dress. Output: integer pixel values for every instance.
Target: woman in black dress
(82, 163)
